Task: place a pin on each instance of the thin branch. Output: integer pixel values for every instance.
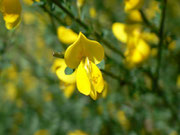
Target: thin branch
(147, 22)
(85, 26)
(160, 45)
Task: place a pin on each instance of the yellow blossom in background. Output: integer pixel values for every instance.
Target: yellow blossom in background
(150, 37)
(11, 10)
(80, 3)
(123, 119)
(67, 88)
(10, 92)
(152, 9)
(92, 12)
(105, 91)
(66, 36)
(178, 81)
(137, 52)
(28, 18)
(173, 133)
(172, 45)
(119, 31)
(154, 52)
(134, 16)
(42, 132)
(133, 4)
(123, 32)
(77, 132)
(84, 54)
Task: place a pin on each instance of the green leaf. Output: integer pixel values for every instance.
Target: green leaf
(101, 65)
(68, 71)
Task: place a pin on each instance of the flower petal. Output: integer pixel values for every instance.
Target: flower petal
(82, 80)
(119, 32)
(82, 48)
(89, 78)
(66, 36)
(59, 67)
(11, 10)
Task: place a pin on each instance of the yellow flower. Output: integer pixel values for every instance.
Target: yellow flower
(68, 88)
(123, 119)
(82, 48)
(84, 54)
(172, 45)
(133, 4)
(42, 132)
(152, 9)
(11, 92)
(66, 36)
(123, 32)
(137, 52)
(59, 67)
(92, 12)
(28, 18)
(134, 16)
(89, 79)
(80, 3)
(150, 37)
(77, 132)
(67, 83)
(11, 10)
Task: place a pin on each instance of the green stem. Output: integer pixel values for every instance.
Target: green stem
(160, 45)
(147, 22)
(85, 26)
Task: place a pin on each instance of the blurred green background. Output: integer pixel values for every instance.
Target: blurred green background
(32, 100)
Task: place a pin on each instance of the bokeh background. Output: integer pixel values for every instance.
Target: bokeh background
(33, 101)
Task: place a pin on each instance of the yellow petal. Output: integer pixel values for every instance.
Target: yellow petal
(134, 16)
(92, 12)
(89, 78)
(133, 4)
(42, 132)
(11, 10)
(66, 36)
(119, 32)
(143, 48)
(82, 48)
(68, 88)
(13, 24)
(59, 67)
(82, 80)
(150, 37)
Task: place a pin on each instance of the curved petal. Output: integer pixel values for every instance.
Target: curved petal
(119, 32)
(89, 78)
(11, 10)
(133, 4)
(82, 48)
(66, 36)
(82, 79)
(11, 25)
(59, 67)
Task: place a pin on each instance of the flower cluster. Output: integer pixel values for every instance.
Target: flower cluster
(82, 55)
